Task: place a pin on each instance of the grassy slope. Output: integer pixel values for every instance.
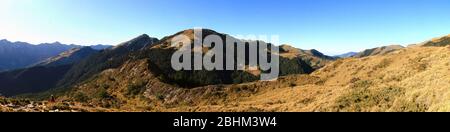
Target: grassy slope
(413, 79)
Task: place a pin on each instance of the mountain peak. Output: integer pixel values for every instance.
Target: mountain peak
(190, 33)
(316, 52)
(285, 48)
(4, 40)
(143, 36)
(138, 42)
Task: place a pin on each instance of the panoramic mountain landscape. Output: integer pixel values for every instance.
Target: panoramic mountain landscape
(224, 56)
(136, 76)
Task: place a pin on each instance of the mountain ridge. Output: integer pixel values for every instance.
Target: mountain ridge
(441, 41)
(346, 55)
(108, 58)
(378, 51)
(16, 55)
(68, 57)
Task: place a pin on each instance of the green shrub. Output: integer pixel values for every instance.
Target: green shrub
(135, 89)
(103, 94)
(410, 106)
(105, 86)
(292, 84)
(3, 101)
(361, 84)
(60, 106)
(421, 67)
(81, 97)
(364, 99)
(160, 96)
(383, 64)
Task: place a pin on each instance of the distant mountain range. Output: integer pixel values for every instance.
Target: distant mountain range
(371, 52)
(43, 75)
(378, 51)
(77, 62)
(16, 55)
(346, 55)
(69, 57)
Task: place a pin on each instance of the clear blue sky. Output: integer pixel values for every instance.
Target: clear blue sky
(331, 26)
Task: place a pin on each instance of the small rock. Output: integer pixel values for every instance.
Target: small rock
(30, 106)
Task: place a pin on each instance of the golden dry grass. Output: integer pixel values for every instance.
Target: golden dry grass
(410, 79)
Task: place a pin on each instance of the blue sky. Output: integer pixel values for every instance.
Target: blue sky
(331, 26)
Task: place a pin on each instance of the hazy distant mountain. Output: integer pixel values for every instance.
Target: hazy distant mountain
(378, 51)
(69, 57)
(16, 55)
(346, 55)
(100, 46)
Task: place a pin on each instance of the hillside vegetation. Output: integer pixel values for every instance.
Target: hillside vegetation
(410, 79)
